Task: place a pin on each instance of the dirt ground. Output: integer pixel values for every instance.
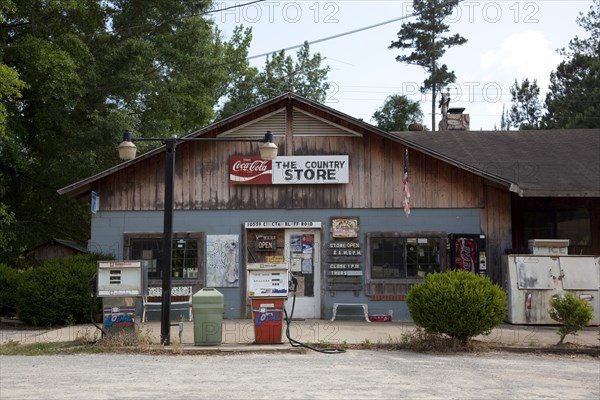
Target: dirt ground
(356, 374)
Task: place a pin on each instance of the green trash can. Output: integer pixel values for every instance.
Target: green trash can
(207, 306)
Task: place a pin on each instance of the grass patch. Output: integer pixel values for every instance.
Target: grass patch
(87, 342)
(12, 348)
(421, 340)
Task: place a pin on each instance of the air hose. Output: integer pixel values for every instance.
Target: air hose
(288, 321)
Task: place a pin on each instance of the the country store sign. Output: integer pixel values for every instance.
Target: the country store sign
(288, 170)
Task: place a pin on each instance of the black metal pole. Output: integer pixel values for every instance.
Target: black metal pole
(167, 256)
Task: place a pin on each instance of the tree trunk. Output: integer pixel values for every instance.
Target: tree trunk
(433, 85)
(433, 94)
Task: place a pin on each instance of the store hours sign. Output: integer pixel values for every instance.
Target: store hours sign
(289, 170)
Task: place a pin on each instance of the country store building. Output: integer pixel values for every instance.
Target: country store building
(331, 205)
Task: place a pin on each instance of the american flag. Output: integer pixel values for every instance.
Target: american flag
(405, 182)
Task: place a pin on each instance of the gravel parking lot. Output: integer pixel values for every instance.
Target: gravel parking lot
(356, 374)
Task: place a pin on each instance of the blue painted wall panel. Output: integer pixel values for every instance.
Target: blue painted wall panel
(108, 229)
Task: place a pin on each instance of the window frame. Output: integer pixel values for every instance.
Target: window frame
(441, 236)
(200, 263)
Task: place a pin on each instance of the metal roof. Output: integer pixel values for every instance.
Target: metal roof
(67, 243)
(556, 163)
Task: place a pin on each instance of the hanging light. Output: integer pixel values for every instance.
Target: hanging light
(268, 149)
(127, 148)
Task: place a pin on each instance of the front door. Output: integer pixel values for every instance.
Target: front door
(302, 253)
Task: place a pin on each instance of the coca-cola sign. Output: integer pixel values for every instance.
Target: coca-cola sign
(250, 170)
(466, 254)
(290, 170)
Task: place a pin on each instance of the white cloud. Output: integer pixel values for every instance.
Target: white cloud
(528, 54)
(521, 55)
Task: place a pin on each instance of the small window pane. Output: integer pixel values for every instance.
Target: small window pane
(147, 249)
(387, 258)
(185, 258)
(538, 224)
(184, 261)
(401, 257)
(574, 225)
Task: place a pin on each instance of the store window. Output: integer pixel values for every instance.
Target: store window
(148, 250)
(573, 224)
(399, 256)
(185, 258)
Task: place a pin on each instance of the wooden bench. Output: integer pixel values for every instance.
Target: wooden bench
(180, 295)
(364, 307)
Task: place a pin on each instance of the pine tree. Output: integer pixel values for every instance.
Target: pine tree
(425, 38)
(526, 110)
(504, 120)
(573, 100)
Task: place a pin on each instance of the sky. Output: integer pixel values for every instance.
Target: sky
(507, 40)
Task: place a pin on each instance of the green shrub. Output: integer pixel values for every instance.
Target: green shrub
(571, 312)
(9, 281)
(458, 304)
(58, 292)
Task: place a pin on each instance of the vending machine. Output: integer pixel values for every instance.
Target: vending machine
(120, 284)
(267, 290)
(466, 252)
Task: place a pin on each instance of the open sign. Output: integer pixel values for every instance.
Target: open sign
(265, 243)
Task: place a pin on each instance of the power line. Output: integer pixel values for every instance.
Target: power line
(231, 7)
(344, 33)
(335, 36)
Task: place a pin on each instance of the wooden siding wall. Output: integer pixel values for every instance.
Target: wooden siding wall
(496, 225)
(52, 252)
(376, 169)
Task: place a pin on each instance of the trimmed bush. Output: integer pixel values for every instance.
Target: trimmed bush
(459, 304)
(9, 281)
(571, 312)
(58, 292)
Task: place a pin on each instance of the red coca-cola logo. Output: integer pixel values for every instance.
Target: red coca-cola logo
(250, 170)
(466, 254)
(246, 165)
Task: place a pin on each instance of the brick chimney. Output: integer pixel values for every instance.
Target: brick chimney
(453, 119)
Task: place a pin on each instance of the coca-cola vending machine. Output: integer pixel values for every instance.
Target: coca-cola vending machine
(467, 252)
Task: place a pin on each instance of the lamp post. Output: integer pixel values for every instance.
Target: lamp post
(127, 150)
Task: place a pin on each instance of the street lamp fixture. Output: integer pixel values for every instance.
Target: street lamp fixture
(127, 150)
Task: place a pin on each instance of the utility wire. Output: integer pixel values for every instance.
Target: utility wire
(345, 33)
(336, 36)
(231, 7)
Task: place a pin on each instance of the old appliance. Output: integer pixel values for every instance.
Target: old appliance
(532, 280)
